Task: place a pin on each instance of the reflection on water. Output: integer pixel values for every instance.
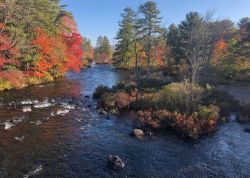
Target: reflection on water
(240, 91)
(53, 130)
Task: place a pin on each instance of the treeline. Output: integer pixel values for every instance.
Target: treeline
(103, 50)
(199, 48)
(39, 41)
(102, 53)
(88, 51)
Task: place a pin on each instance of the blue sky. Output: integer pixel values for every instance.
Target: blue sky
(100, 17)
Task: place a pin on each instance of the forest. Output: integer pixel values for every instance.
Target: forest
(200, 48)
(39, 42)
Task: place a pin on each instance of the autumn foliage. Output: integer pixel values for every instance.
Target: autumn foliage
(8, 52)
(219, 49)
(44, 55)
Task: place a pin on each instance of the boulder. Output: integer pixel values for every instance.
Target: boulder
(137, 133)
(115, 163)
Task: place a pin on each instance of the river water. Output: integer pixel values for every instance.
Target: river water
(53, 130)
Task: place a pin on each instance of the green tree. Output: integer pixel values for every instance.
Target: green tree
(107, 49)
(149, 25)
(125, 37)
(103, 50)
(193, 41)
(22, 17)
(243, 23)
(173, 40)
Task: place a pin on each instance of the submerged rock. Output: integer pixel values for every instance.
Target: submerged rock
(62, 112)
(27, 109)
(43, 104)
(34, 172)
(28, 101)
(19, 138)
(149, 133)
(12, 123)
(8, 125)
(115, 163)
(103, 112)
(247, 130)
(244, 114)
(243, 120)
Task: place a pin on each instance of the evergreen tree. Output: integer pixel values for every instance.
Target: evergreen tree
(192, 42)
(173, 40)
(107, 49)
(98, 48)
(149, 24)
(103, 50)
(125, 36)
(243, 23)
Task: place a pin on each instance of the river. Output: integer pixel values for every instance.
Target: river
(53, 130)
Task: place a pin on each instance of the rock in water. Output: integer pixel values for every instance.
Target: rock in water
(247, 130)
(115, 163)
(138, 133)
(27, 109)
(103, 112)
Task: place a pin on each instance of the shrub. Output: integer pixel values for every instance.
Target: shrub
(152, 83)
(34, 80)
(145, 101)
(4, 84)
(100, 90)
(184, 97)
(48, 77)
(119, 100)
(15, 78)
(107, 101)
(160, 119)
(123, 100)
(201, 122)
(126, 87)
(118, 87)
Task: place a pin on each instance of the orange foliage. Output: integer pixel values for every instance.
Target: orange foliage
(219, 49)
(51, 53)
(160, 52)
(73, 51)
(57, 54)
(70, 24)
(16, 78)
(8, 52)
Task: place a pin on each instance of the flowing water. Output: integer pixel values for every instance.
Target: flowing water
(53, 130)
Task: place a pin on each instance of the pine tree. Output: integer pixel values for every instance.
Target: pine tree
(149, 25)
(103, 50)
(125, 36)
